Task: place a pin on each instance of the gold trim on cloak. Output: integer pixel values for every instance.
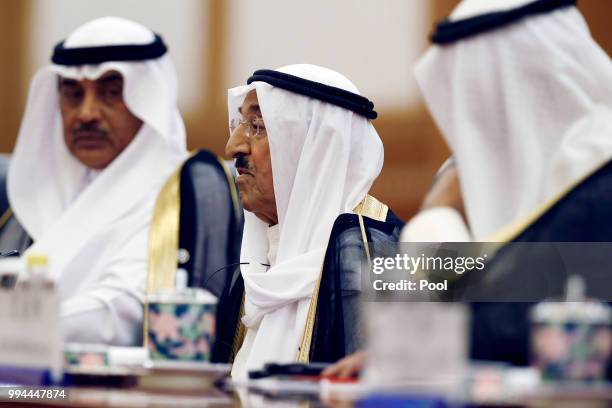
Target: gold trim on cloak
(6, 216)
(508, 233)
(369, 207)
(372, 208)
(511, 231)
(240, 332)
(164, 235)
(163, 242)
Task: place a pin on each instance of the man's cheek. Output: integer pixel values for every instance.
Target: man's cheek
(244, 184)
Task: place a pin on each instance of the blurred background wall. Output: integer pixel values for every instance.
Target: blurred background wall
(217, 44)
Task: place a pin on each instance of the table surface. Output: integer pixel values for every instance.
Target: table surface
(124, 398)
(139, 398)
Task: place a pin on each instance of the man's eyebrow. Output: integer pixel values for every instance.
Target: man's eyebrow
(255, 108)
(67, 82)
(252, 109)
(113, 77)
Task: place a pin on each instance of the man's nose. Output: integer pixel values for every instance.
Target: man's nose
(89, 111)
(237, 144)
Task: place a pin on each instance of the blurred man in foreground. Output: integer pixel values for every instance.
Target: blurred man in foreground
(523, 96)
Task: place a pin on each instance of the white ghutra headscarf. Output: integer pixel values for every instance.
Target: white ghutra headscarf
(324, 161)
(525, 108)
(94, 225)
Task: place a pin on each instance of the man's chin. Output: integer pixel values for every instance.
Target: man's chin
(93, 158)
(247, 202)
(243, 179)
(244, 200)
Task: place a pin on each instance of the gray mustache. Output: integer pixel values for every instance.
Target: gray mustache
(86, 128)
(243, 162)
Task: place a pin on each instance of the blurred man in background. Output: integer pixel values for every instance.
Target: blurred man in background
(100, 134)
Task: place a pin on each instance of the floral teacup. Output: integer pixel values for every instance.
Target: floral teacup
(181, 326)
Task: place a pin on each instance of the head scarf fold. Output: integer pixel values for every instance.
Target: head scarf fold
(94, 225)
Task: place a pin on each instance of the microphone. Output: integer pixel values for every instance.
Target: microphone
(212, 275)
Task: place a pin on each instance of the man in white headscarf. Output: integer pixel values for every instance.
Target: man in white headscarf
(523, 96)
(307, 155)
(100, 135)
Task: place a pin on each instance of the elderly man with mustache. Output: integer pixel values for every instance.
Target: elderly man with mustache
(307, 154)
